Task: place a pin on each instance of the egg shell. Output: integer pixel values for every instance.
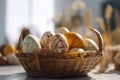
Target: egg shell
(62, 30)
(31, 44)
(117, 58)
(12, 59)
(79, 51)
(9, 48)
(90, 44)
(76, 50)
(75, 40)
(59, 44)
(45, 40)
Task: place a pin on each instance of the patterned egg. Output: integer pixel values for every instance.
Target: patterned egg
(90, 44)
(31, 44)
(62, 30)
(45, 40)
(75, 40)
(59, 44)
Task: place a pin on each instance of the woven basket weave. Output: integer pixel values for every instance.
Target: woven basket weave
(41, 65)
(55, 67)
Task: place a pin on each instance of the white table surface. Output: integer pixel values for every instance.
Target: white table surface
(18, 73)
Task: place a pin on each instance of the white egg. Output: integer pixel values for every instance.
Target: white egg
(12, 59)
(90, 44)
(77, 50)
(31, 44)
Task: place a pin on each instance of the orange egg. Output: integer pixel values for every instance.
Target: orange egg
(9, 49)
(75, 40)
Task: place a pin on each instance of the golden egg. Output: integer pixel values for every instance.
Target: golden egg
(9, 48)
(75, 40)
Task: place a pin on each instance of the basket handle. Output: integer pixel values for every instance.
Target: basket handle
(100, 39)
(24, 33)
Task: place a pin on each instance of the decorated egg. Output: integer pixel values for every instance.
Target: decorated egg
(62, 30)
(90, 44)
(31, 44)
(59, 44)
(45, 40)
(75, 40)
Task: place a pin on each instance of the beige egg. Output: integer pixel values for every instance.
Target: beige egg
(31, 44)
(59, 44)
(12, 59)
(62, 30)
(76, 50)
(90, 44)
(79, 51)
(117, 58)
(45, 40)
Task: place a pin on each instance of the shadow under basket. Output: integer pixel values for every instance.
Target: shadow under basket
(36, 66)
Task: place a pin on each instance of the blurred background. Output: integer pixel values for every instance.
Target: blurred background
(35, 14)
(40, 16)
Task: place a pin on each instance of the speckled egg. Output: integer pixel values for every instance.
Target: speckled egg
(31, 44)
(45, 40)
(59, 44)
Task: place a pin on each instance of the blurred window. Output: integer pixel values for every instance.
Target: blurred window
(20, 13)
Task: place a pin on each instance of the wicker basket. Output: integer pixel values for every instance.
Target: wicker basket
(42, 65)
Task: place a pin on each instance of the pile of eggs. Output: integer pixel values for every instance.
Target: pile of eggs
(7, 55)
(63, 41)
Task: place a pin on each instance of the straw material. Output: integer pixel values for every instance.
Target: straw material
(44, 66)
